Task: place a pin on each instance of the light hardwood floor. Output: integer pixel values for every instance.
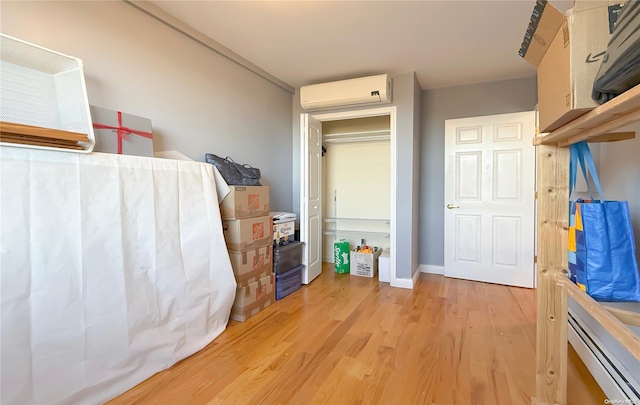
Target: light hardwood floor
(350, 340)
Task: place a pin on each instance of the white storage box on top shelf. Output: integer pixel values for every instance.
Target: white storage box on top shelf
(43, 88)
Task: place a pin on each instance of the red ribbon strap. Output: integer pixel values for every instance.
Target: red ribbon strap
(123, 131)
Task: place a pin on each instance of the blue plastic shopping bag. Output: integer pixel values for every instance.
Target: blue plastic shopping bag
(602, 250)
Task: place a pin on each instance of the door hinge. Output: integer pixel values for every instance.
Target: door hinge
(535, 259)
(535, 196)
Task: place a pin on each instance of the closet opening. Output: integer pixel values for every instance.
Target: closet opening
(356, 183)
(353, 194)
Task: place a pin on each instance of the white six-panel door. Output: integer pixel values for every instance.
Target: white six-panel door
(489, 199)
(311, 188)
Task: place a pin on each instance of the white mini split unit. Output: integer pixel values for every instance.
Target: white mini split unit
(344, 93)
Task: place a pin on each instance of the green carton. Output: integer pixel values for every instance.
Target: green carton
(341, 256)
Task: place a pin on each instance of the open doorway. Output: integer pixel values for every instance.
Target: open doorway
(375, 128)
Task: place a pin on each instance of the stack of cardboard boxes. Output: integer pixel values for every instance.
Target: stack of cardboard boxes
(567, 51)
(247, 230)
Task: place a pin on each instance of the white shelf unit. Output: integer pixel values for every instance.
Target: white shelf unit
(374, 231)
(364, 136)
(336, 231)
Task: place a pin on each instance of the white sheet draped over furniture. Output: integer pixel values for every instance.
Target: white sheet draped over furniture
(112, 268)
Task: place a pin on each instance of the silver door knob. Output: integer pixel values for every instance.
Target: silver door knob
(451, 206)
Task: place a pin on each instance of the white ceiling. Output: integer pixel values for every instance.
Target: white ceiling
(447, 43)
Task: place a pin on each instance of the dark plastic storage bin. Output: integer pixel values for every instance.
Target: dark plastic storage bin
(288, 282)
(287, 257)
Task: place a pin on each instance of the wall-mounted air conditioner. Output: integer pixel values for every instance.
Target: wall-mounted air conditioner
(343, 93)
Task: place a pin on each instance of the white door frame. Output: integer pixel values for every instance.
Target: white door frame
(372, 112)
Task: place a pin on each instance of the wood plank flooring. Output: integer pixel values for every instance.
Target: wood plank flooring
(350, 340)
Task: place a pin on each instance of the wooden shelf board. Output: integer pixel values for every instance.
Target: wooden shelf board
(625, 316)
(43, 142)
(610, 137)
(13, 128)
(604, 316)
(616, 113)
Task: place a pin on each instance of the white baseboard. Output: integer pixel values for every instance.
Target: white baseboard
(407, 283)
(327, 259)
(402, 283)
(416, 274)
(431, 269)
(595, 356)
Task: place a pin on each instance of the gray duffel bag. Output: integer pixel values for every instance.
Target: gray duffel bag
(234, 173)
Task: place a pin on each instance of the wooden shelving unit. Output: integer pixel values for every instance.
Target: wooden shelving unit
(552, 172)
(598, 124)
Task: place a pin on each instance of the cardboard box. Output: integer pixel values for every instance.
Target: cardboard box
(121, 133)
(570, 65)
(544, 23)
(364, 264)
(253, 298)
(242, 314)
(244, 235)
(253, 292)
(584, 5)
(245, 202)
(283, 232)
(251, 266)
(567, 53)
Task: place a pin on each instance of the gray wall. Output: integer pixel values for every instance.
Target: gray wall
(404, 91)
(456, 102)
(197, 100)
(619, 174)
